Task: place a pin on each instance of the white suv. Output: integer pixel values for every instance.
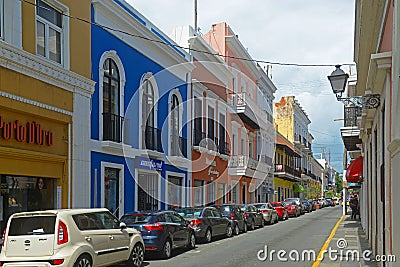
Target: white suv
(75, 237)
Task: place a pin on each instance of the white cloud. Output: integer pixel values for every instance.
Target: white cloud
(289, 31)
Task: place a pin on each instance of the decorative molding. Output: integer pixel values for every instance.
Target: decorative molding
(34, 103)
(39, 68)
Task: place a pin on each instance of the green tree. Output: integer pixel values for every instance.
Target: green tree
(339, 182)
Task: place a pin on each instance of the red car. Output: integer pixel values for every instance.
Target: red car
(292, 208)
(281, 210)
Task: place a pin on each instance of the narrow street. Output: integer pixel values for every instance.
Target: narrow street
(306, 232)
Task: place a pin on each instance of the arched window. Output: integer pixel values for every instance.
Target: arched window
(112, 120)
(148, 118)
(175, 138)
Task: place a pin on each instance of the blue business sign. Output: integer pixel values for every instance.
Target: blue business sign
(149, 164)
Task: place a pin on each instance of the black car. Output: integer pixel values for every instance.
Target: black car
(307, 206)
(207, 222)
(253, 216)
(161, 230)
(235, 215)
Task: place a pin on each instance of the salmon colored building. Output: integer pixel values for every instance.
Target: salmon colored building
(252, 135)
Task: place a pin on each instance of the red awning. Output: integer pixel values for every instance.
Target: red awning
(354, 170)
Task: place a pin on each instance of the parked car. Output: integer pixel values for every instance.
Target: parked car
(298, 203)
(162, 231)
(253, 216)
(235, 216)
(281, 210)
(74, 237)
(292, 208)
(313, 204)
(206, 222)
(306, 205)
(330, 202)
(269, 213)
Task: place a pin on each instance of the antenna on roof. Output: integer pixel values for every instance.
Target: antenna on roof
(195, 15)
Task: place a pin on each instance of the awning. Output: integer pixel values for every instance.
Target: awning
(355, 170)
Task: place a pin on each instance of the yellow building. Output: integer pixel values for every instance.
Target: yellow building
(286, 173)
(45, 91)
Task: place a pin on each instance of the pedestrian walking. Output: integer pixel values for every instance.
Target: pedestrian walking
(354, 207)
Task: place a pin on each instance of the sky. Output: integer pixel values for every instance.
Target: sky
(282, 31)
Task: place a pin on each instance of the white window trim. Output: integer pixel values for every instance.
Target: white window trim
(65, 32)
(122, 79)
(171, 94)
(136, 186)
(180, 175)
(121, 194)
(147, 76)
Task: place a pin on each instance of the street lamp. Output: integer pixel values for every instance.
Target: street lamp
(338, 80)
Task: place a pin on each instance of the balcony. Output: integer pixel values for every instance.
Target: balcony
(299, 141)
(152, 139)
(178, 146)
(287, 172)
(247, 109)
(224, 148)
(112, 127)
(265, 159)
(350, 132)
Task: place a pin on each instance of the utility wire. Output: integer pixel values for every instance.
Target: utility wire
(188, 48)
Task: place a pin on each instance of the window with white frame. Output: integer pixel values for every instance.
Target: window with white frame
(49, 31)
(198, 196)
(151, 136)
(175, 138)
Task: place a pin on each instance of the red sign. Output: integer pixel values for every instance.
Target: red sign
(32, 132)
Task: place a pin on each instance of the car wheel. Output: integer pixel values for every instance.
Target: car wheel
(252, 225)
(237, 230)
(276, 219)
(245, 227)
(136, 257)
(166, 252)
(262, 223)
(229, 231)
(83, 261)
(192, 241)
(208, 235)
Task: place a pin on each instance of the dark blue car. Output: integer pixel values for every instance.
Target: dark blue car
(162, 231)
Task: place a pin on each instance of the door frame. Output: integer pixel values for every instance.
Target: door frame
(121, 193)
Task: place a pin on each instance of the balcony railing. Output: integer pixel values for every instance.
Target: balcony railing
(350, 116)
(178, 146)
(265, 159)
(153, 139)
(198, 136)
(112, 127)
(242, 161)
(224, 148)
(287, 169)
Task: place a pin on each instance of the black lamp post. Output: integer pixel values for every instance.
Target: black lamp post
(338, 80)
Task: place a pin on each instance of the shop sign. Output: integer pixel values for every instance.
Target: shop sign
(150, 164)
(31, 132)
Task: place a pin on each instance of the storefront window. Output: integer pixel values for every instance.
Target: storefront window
(148, 191)
(20, 194)
(111, 182)
(174, 191)
(198, 193)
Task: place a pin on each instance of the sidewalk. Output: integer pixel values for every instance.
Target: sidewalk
(350, 243)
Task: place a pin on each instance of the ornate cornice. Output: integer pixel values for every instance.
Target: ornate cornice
(44, 70)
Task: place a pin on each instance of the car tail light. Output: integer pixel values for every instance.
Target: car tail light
(1, 264)
(246, 215)
(195, 222)
(58, 262)
(232, 216)
(62, 233)
(3, 240)
(154, 227)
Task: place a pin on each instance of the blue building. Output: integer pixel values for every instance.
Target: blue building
(139, 113)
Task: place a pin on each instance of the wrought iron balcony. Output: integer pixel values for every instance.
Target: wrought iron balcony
(287, 170)
(153, 139)
(350, 115)
(112, 127)
(224, 148)
(178, 146)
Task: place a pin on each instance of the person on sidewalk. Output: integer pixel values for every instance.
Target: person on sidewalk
(354, 207)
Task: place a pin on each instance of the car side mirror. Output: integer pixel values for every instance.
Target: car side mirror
(122, 225)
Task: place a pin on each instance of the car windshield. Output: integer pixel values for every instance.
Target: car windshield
(260, 206)
(189, 212)
(32, 225)
(136, 218)
(289, 203)
(274, 204)
(226, 210)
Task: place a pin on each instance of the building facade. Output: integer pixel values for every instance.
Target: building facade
(377, 49)
(139, 113)
(253, 133)
(45, 91)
